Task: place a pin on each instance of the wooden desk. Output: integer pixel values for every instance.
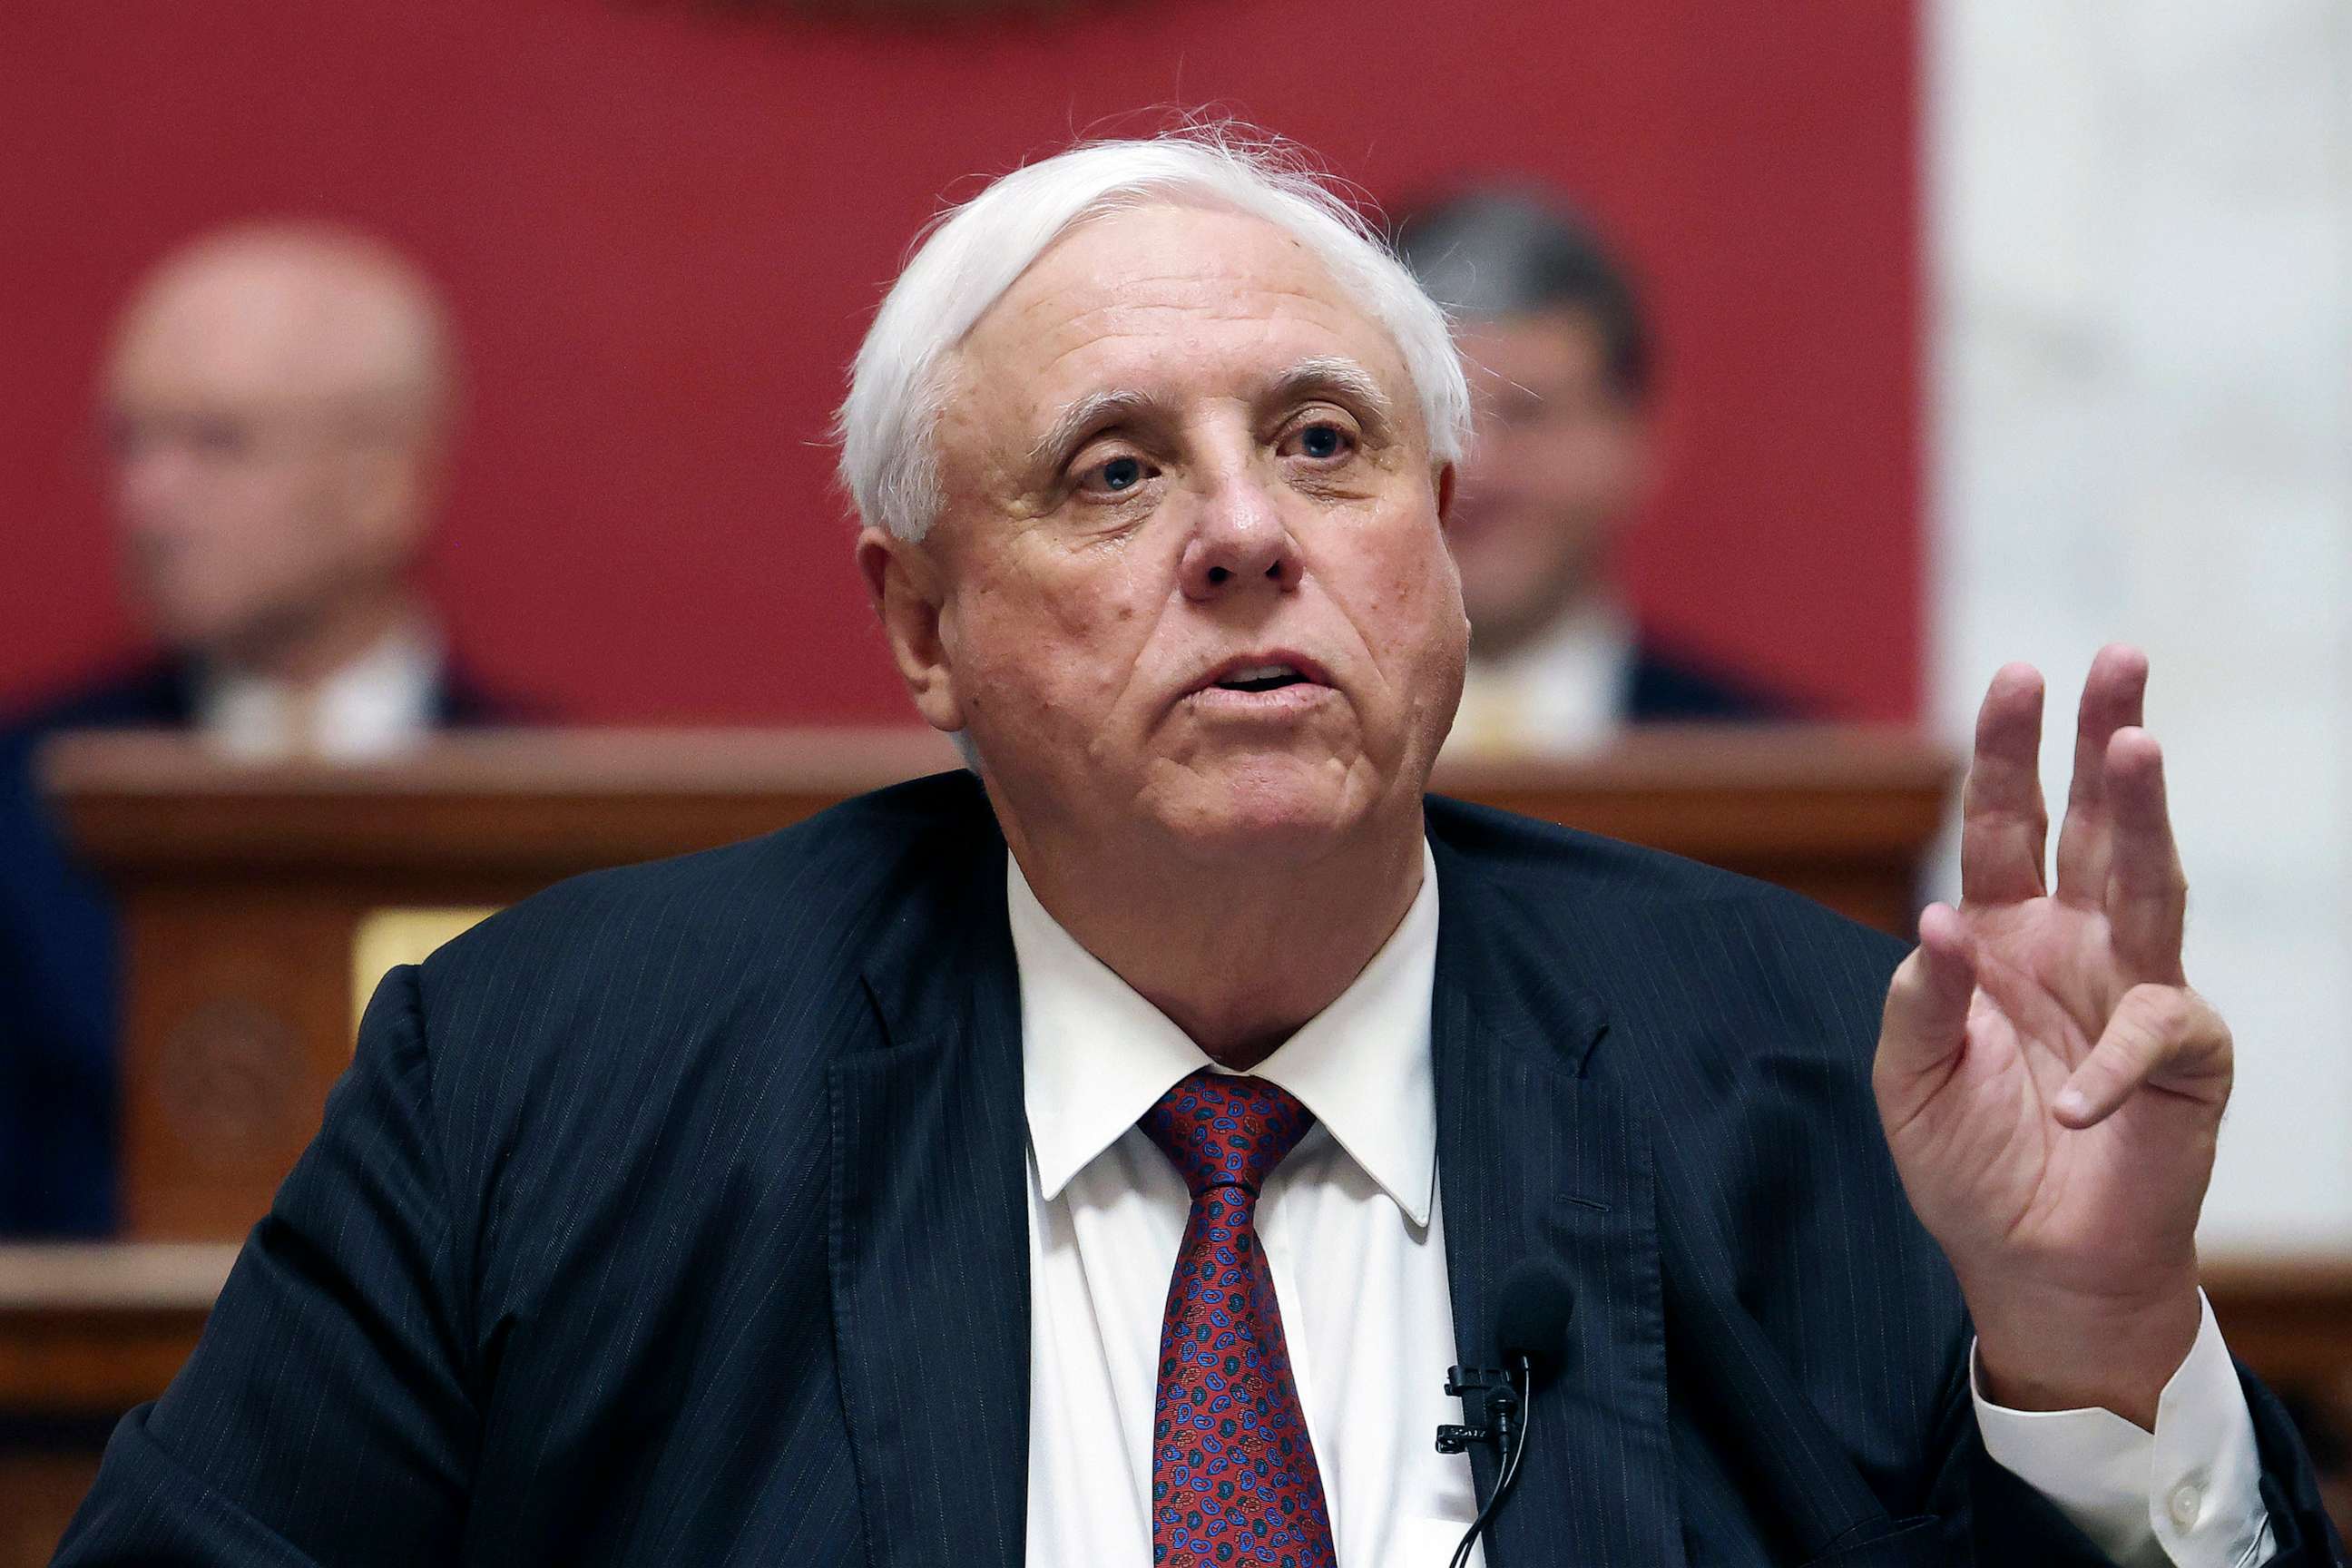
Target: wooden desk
(101, 1326)
(85, 1333)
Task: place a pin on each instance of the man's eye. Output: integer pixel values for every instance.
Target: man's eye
(1119, 474)
(218, 437)
(1320, 442)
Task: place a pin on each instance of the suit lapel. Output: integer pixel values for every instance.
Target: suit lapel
(930, 1257)
(1536, 1158)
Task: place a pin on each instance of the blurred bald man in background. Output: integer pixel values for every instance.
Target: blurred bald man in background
(277, 412)
(1559, 356)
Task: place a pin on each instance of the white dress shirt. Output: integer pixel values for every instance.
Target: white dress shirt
(1354, 1239)
(378, 705)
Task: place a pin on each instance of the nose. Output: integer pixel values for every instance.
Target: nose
(1241, 541)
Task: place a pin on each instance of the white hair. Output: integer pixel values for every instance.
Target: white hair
(889, 463)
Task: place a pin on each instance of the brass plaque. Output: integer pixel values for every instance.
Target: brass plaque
(387, 939)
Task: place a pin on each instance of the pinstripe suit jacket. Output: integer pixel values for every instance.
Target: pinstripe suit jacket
(678, 1217)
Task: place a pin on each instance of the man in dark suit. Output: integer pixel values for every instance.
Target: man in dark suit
(1559, 350)
(1101, 1159)
(276, 413)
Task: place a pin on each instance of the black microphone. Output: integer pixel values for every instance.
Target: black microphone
(1532, 1311)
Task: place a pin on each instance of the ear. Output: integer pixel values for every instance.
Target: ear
(903, 581)
(1447, 473)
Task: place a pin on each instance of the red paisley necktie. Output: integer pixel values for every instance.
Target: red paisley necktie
(1233, 1478)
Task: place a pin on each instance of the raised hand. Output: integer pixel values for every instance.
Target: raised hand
(2051, 1086)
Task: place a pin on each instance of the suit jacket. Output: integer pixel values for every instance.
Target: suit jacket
(1660, 687)
(678, 1215)
(59, 982)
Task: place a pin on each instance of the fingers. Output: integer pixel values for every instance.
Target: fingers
(2114, 697)
(1926, 1014)
(2146, 895)
(2164, 1036)
(2003, 826)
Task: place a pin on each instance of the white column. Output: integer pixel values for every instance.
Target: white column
(2140, 231)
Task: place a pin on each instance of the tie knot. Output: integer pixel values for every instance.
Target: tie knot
(1221, 1131)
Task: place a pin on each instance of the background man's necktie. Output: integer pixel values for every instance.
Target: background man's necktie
(1233, 1478)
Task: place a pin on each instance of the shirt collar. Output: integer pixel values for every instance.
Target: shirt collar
(1096, 1055)
(1595, 631)
(378, 704)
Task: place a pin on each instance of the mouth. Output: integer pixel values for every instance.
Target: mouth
(1268, 671)
(1266, 682)
(1261, 677)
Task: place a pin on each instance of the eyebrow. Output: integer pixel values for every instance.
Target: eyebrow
(1084, 413)
(1331, 375)
(1339, 378)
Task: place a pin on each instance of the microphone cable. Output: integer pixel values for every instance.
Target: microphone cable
(1510, 1464)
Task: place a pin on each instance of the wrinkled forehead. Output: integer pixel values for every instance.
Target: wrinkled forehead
(1174, 300)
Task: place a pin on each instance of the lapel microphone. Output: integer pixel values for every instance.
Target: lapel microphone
(1532, 1311)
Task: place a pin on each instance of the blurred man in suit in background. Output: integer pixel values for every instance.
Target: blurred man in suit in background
(1559, 358)
(276, 413)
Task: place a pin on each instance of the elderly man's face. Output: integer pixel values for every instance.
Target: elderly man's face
(1560, 467)
(1189, 576)
(266, 458)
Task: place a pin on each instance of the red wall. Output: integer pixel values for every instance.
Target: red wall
(663, 230)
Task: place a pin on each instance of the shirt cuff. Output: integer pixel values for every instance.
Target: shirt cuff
(2187, 1495)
